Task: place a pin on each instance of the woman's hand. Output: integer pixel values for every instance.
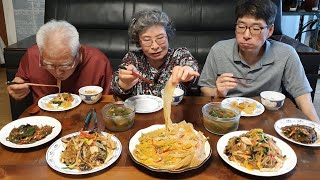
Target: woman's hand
(183, 74)
(18, 91)
(126, 79)
(224, 83)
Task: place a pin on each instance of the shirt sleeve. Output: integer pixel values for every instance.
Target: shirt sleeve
(208, 75)
(294, 79)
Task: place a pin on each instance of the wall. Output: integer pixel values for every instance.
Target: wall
(29, 16)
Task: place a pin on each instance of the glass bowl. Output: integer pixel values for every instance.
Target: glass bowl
(220, 118)
(118, 116)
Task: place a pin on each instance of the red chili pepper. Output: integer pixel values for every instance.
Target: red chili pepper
(87, 135)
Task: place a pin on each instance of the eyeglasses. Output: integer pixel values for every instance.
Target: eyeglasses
(254, 30)
(148, 42)
(66, 66)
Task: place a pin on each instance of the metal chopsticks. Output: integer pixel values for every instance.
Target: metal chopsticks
(238, 77)
(138, 75)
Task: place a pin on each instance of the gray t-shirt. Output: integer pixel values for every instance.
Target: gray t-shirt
(280, 64)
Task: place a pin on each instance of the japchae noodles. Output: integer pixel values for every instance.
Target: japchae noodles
(174, 147)
(87, 151)
(255, 150)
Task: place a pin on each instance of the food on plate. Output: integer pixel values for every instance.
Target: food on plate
(86, 150)
(300, 133)
(28, 134)
(245, 106)
(177, 146)
(90, 92)
(254, 150)
(63, 100)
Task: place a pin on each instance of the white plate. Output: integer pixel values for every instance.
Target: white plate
(146, 103)
(54, 152)
(259, 110)
(288, 165)
(135, 140)
(44, 100)
(292, 121)
(32, 120)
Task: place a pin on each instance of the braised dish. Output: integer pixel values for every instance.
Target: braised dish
(300, 133)
(27, 134)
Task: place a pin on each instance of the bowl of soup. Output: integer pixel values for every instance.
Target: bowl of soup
(177, 96)
(90, 94)
(220, 118)
(118, 116)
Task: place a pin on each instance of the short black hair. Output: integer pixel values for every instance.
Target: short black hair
(260, 9)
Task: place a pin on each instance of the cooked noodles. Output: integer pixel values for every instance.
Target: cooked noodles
(87, 151)
(59, 85)
(255, 150)
(174, 147)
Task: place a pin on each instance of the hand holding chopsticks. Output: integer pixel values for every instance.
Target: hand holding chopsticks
(138, 75)
(31, 84)
(239, 82)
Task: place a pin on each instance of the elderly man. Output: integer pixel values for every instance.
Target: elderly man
(269, 63)
(58, 56)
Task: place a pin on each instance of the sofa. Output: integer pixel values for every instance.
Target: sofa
(104, 23)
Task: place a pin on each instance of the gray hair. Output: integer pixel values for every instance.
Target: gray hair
(147, 18)
(66, 32)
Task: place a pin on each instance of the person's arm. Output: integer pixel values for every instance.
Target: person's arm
(304, 103)
(208, 91)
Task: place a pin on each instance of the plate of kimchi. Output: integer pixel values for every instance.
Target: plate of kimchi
(59, 102)
(29, 131)
(83, 152)
(257, 153)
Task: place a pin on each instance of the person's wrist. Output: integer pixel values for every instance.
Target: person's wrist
(124, 86)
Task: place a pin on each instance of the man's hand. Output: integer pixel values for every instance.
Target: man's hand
(18, 91)
(224, 83)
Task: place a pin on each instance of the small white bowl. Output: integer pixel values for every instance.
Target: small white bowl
(90, 94)
(177, 96)
(272, 100)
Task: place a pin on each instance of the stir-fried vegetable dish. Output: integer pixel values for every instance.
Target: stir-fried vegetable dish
(87, 150)
(27, 134)
(255, 150)
(63, 100)
(222, 113)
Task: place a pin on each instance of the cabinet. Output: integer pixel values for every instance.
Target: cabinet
(303, 13)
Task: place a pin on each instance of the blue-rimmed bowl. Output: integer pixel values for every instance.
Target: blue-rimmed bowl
(272, 100)
(90, 94)
(177, 96)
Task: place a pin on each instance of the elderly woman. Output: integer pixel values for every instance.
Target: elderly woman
(151, 31)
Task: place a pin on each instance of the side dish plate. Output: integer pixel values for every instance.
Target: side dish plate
(146, 103)
(32, 120)
(292, 121)
(44, 100)
(259, 110)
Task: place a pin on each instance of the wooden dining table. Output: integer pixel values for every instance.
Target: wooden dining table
(30, 163)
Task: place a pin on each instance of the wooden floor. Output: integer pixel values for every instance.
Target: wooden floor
(5, 115)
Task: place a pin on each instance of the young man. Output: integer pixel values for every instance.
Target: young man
(268, 63)
(58, 56)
